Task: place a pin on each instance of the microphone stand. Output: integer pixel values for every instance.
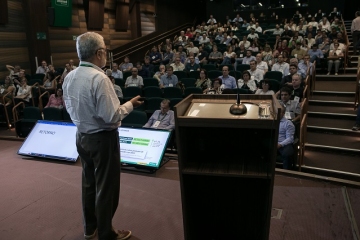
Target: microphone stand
(238, 108)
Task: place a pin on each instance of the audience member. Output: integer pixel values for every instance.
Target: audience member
(43, 68)
(134, 80)
(56, 100)
(147, 65)
(265, 88)
(126, 66)
(246, 82)
(116, 73)
(163, 118)
(335, 57)
(192, 66)
(292, 107)
(155, 56)
(203, 82)
(160, 73)
(215, 57)
(256, 74)
(227, 80)
(281, 66)
(216, 89)
(248, 58)
(177, 65)
(168, 80)
(285, 140)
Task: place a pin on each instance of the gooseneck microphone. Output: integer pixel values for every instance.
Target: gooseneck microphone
(238, 108)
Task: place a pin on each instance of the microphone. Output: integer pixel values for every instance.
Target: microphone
(238, 108)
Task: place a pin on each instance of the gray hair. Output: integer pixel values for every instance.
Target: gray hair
(87, 44)
(299, 75)
(108, 72)
(166, 101)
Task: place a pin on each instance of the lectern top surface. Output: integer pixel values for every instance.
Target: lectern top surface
(222, 110)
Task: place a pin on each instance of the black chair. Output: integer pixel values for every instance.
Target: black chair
(131, 92)
(180, 74)
(194, 74)
(120, 82)
(274, 75)
(209, 67)
(152, 104)
(174, 101)
(38, 76)
(150, 82)
(30, 116)
(152, 91)
(66, 117)
(188, 82)
(192, 90)
(53, 114)
(214, 74)
(135, 119)
(172, 92)
(126, 75)
(242, 67)
(230, 67)
(236, 74)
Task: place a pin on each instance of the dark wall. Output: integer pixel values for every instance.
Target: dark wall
(170, 14)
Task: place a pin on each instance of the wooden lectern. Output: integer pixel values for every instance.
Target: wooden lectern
(226, 166)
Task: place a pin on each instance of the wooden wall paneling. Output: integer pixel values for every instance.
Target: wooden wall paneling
(96, 14)
(122, 16)
(13, 39)
(134, 11)
(4, 12)
(35, 13)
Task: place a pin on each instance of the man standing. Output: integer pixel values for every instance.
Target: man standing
(285, 140)
(163, 118)
(95, 109)
(355, 31)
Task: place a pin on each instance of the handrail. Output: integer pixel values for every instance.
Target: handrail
(15, 113)
(32, 98)
(303, 129)
(40, 100)
(144, 42)
(5, 108)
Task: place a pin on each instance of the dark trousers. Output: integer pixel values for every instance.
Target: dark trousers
(356, 39)
(100, 158)
(286, 153)
(358, 116)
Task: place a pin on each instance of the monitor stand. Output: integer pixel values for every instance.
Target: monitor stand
(142, 169)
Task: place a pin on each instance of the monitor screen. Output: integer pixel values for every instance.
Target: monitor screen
(143, 147)
(53, 140)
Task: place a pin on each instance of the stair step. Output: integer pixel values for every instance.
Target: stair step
(333, 97)
(339, 86)
(340, 163)
(331, 103)
(327, 122)
(332, 110)
(334, 140)
(334, 130)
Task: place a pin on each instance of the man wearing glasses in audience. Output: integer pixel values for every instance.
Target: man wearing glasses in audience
(163, 118)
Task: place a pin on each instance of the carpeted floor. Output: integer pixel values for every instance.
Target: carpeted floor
(41, 200)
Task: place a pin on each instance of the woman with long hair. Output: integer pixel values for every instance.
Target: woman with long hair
(203, 82)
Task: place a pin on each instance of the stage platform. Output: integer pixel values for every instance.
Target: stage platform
(41, 200)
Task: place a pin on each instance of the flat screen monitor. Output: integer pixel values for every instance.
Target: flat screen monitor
(143, 147)
(52, 140)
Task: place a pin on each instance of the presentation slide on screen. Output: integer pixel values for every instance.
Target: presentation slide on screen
(142, 146)
(51, 140)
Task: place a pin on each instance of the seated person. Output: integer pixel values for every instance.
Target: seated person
(249, 57)
(155, 56)
(43, 68)
(6, 88)
(292, 108)
(134, 80)
(177, 65)
(50, 82)
(203, 82)
(297, 89)
(14, 71)
(255, 73)
(260, 64)
(167, 56)
(168, 80)
(335, 57)
(246, 82)
(142, 72)
(163, 118)
(160, 73)
(356, 127)
(215, 57)
(227, 80)
(66, 72)
(315, 53)
(192, 66)
(117, 89)
(147, 65)
(126, 66)
(229, 56)
(116, 73)
(202, 55)
(24, 92)
(56, 100)
(285, 140)
(265, 88)
(216, 89)
(281, 66)
(287, 80)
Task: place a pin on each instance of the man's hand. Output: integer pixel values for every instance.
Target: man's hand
(279, 146)
(135, 101)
